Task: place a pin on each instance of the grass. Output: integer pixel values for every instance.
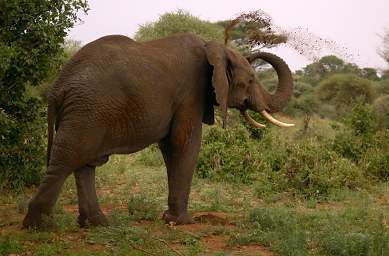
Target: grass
(352, 231)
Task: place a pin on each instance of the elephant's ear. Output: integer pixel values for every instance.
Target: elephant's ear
(217, 57)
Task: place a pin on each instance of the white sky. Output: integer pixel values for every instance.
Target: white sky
(354, 24)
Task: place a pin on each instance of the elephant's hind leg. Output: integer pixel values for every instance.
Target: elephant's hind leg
(89, 209)
(44, 200)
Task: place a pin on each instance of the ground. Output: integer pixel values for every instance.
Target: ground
(134, 195)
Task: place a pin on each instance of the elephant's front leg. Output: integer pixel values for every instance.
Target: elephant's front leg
(180, 151)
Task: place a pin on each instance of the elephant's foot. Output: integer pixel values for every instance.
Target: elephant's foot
(181, 219)
(96, 220)
(36, 219)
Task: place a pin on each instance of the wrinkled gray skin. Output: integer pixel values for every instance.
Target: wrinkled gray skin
(118, 96)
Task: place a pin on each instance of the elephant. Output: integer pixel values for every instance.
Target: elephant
(119, 96)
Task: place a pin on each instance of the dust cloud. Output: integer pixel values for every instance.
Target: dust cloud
(261, 32)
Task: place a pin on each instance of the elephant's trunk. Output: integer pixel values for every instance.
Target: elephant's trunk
(280, 98)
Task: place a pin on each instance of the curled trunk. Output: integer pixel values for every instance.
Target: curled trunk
(275, 102)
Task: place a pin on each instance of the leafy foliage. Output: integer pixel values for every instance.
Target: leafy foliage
(31, 37)
(307, 167)
(227, 155)
(342, 90)
(326, 66)
(22, 150)
(381, 109)
(179, 22)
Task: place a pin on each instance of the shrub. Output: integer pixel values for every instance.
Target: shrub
(358, 136)
(31, 38)
(361, 119)
(255, 133)
(307, 168)
(383, 86)
(349, 146)
(381, 109)
(375, 161)
(342, 90)
(22, 147)
(228, 154)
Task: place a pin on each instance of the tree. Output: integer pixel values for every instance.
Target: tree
(342, 91)
(326, 66)
(370, 73)
(32, 35)
(179, 22)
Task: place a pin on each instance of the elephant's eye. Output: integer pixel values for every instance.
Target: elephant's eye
(251, 81)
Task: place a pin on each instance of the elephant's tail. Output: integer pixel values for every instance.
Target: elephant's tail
(51, 116)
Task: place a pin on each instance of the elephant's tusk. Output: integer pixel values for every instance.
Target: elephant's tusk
(275, 121)
(251, 121)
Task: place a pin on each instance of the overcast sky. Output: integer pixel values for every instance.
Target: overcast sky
(353, 24)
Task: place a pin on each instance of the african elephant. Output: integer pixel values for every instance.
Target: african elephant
(118, 96)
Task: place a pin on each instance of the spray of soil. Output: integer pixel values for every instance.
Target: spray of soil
(260, 32)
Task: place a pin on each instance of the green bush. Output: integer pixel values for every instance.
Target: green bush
(358, 136)
(381, 110)
(383, 86)
(307, 168)
(342, 91)
(22, 147)
(375, 161)
(349, 146)
(31, 40)
(228, 154)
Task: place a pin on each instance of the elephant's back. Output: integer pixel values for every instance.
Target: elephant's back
(105, 86)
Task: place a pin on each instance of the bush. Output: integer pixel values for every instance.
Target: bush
(383, 86)
(381, 109)
(307, 168)
(228, 154)
(375, 161)
(31, 38)
(358, 136)
(349, 146)
(342, 91)
(22, 147)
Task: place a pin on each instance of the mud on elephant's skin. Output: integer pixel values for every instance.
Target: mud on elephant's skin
(118, 96)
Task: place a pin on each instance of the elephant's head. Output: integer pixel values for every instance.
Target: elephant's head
(236, 86)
